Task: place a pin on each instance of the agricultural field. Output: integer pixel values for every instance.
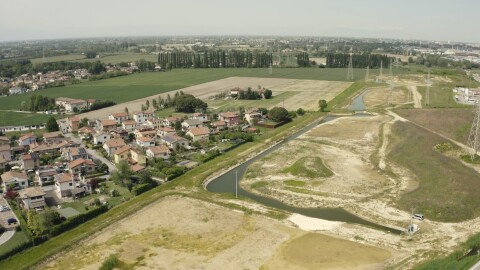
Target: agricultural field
(66, 58)
(127, 88)
(9, 118)
(207, 236)
(117, 58)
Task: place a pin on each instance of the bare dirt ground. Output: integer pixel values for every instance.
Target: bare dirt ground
(309, 92)
(201, 235)
(376, 97)
(355, 149)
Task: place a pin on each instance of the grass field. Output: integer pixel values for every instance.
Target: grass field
(17, 239)
(66, 58)
(117, 58)
(453, 123)
(448, 190)
(227, 105)
(18, 119)
(310, 167)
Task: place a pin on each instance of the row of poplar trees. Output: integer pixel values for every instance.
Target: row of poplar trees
(215, 59)
(340, 60)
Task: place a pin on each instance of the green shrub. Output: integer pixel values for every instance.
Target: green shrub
(111, 262)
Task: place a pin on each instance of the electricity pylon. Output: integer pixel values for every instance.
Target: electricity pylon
(350, 67)
(473, 138)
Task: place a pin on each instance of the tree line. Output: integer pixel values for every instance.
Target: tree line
(341, 60)
(215, 59)
(12, 69)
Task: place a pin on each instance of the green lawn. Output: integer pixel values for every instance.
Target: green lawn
(17, 239)
(310, 167)
(18, 118)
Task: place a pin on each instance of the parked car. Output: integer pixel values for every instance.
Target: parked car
(11, 221)
(4, 208)
(418, 216)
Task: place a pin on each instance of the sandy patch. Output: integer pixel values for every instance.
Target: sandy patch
(383, 97)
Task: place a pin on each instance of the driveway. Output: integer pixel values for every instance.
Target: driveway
(93, 153)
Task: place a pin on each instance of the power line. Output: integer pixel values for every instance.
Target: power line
(473, 138)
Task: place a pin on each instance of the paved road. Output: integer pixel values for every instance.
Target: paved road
(93, 153)
(476, 266)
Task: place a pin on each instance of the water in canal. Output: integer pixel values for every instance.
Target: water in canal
(225, 183)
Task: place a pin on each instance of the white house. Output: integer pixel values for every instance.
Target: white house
(145, 141)
(101, 137)
(129, 125)
(118, 117)
(160, 151)
(33, 198)
(64, 184)
(165, 131)
(191, 123)
(17, 179)
(27, 139)
(113, 144)
(142, 116)
(200, 116)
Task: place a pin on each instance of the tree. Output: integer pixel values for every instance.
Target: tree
(90, 54)
(267, 93)
(52, 125)
(126, 110)
(322, 104)
(278, 114)
(300, 111)
(123, 173)
(155, 104)
(147, 104)
(84, 122)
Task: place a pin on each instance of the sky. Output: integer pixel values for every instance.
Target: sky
(440, 20)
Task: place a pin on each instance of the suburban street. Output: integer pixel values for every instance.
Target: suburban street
(93, 153)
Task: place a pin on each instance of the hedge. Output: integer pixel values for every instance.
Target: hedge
(141, 188)
(77, 220)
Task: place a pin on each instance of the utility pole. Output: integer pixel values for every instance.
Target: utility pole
(427, 92)
(367, 74)
(350, 66)
(473, 138)
(381, 71)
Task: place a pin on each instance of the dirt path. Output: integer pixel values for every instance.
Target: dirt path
(417, 98)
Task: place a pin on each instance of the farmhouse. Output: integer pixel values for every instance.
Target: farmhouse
(231, 118)
(199, 134)
(119, 117)
(160, 151)
(33, 198)
(15, 179)
(74, 105)
(253, 116)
